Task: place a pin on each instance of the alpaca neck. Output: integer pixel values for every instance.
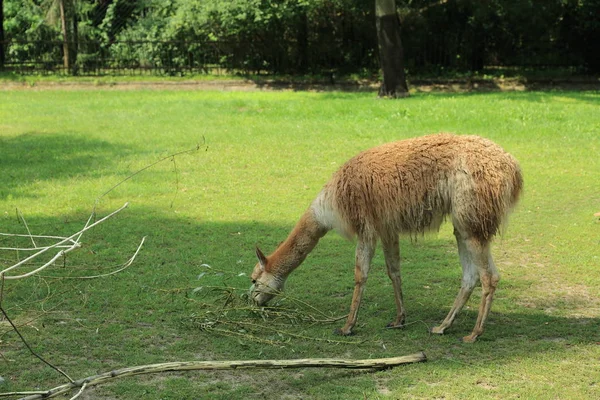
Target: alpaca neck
(300, 242)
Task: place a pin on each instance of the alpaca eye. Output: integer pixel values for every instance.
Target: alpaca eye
(253, 281)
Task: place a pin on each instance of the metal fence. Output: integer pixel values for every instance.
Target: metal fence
(179, 58)
(94, 58)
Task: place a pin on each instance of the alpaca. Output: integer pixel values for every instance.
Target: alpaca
(407, 187)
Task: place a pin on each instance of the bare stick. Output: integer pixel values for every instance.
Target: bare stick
(35, 236)
(1, 289)
(64, 246)
(87, 226)
(20, 215)
(28, 393)
(81, 390)
(62, 252)
(377, 363)
(295, 334)
(92, 215)
(146, 167)
(30, 349)
(122, 267)
(52, 261)
(35, 247)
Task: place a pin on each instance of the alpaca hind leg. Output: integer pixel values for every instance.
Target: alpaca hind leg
(470, 274)
(489, 282)
(365, 249)
(391, 251)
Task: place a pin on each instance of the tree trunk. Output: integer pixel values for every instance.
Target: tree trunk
(68, 24)
(302, 38)
(2, 44)
(391, 54)
(65, 35)
(74, 39)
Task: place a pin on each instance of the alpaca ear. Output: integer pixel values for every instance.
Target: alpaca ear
(262, 260)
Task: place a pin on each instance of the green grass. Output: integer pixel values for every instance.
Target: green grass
(266, 156)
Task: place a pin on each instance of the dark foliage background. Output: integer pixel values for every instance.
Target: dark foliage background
(294, 36)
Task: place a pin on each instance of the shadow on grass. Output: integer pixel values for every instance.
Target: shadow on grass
(474, 84)
(590, 96)
(138, 316)
(11, 77)
(561, 96)
(37, 156)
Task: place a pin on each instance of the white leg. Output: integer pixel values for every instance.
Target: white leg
(469, 281)
(489, 282)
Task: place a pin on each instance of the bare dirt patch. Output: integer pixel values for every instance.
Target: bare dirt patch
(248, 85)
(574, 300)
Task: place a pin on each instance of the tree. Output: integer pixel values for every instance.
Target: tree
(68, 23)
(1, 35)
(391, 54)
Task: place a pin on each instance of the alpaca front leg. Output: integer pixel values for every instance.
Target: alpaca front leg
(365, 249)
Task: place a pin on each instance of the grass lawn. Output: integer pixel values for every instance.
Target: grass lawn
(265, 155)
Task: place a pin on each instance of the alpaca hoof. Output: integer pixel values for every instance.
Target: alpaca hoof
(395, 325)
(342, 332)
(437, 330)
(469, 339)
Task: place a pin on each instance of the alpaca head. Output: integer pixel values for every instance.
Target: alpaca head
(265, 285)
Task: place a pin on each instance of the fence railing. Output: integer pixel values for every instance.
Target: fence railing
(126, 57)
(218, 57)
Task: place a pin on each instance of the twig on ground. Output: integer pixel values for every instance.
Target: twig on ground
(20, 215)
(236, 317)
(1, 288)
(74, 245)
(29, 347)
(286, 333)
(35, 236)
(81, 390)
(172, 156)
(65, 245)
(121, 267)
(377, 364)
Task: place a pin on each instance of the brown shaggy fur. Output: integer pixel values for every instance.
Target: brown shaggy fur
(408, 187)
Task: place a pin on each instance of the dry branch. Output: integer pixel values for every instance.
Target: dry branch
(64, 245)
(75, 244)
(121, 268)
(377, 363)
